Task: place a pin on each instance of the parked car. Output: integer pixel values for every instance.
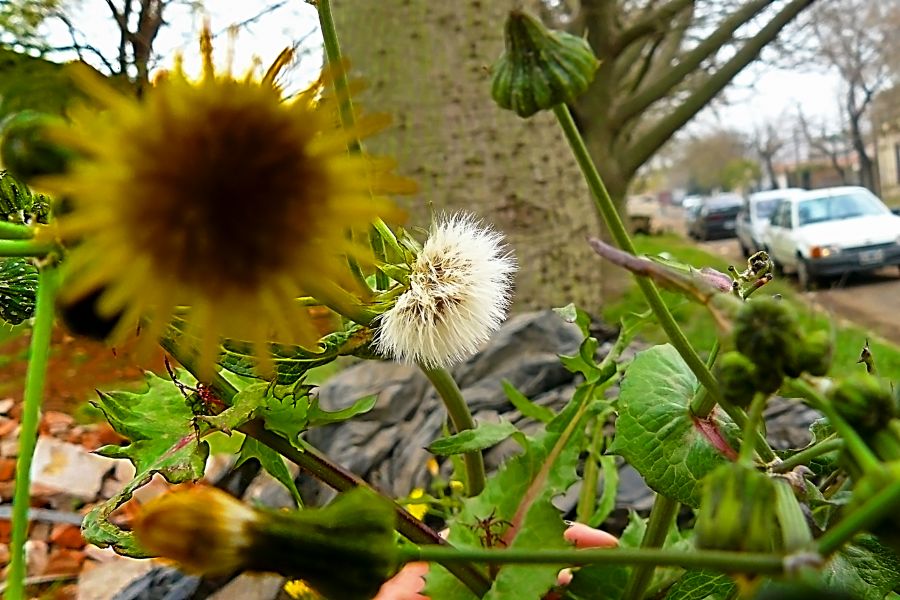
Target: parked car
(832, 231)
(754, 217)
(716, 217)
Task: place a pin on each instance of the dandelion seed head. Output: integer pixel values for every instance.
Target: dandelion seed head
(459, 292)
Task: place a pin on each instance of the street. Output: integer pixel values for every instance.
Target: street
(869, 299)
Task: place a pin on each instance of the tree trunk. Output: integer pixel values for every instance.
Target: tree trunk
(426, 63)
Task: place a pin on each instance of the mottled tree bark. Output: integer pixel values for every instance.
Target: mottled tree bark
(426, 63)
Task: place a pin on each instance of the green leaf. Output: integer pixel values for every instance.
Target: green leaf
(572, 314)
(599, 582)
(292, 362)
(610, 488)
(517, 504)
(656, 433)
(164, 440)
(525, 406)
(471, 440)
(864, 569)
(699, 585)
(318, 417)
(272, 462)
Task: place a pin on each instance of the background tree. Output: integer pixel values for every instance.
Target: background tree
(828, 143)
(718, 160)
(768, 140)
(858, 39)
(662, 61)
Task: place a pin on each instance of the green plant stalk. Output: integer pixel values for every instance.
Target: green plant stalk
(855, 445)
(462, 419)
(587, 499)
(341, 301)
(345, 111)
(702, 403)
(607, 210)
(872, 511)
(662, 515)
(48, 282)
(24, 247)
(718, 560)
(15, 231)
(319, 466)
(751, 427)
(829, 444)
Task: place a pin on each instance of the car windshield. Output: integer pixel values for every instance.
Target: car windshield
(835, 208)
(765, 208)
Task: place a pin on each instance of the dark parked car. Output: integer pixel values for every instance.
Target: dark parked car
(716, 218)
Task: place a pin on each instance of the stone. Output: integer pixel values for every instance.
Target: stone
(7, 469)
(9, 447)
(6, 405)
(68, 468)
(37, 557)
(106, 579)
(251, 586)
(56, 423)
(64, 561)
(7, 426)
(267, 491)
(66, 535)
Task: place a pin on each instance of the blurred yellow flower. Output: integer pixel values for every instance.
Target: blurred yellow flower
(219, 195)
(417, 509)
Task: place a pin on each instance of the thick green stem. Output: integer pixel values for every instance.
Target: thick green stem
(319, 466)
(342, 302)
(662, 515)
(829, 444)
(587, 499)
(48, 281)
(25, 247)
(873, 510)
(462, 419)
(702, 403)
(751, 428)
(607, 210)
(15, 231)
(717, 560)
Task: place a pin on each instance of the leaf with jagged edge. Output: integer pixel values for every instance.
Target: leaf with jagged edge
(517, 502)
(272, 462)
(656, 432)
(164, 440)
(701, 585)
(471, 440)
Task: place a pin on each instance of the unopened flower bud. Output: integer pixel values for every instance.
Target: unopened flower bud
(737, 378)
(737, 510)
(864, 401)
(540, 68)
(25, 149)
(345, 550)
(766, 331)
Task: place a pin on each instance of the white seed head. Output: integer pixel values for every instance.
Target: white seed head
(459, 291)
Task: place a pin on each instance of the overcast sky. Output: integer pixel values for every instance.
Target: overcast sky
(759, 94)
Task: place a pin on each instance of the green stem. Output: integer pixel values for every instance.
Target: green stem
(341, 301)
(802, 457)
(662, 515)
(319, 466)
(855, 445)
(872, 511)
(587, 499)
(459, 413)
(39, 353)
(23, 247)
(15, 231)
(607, 210)
(751, 428)
(718, 560)
(702, 403)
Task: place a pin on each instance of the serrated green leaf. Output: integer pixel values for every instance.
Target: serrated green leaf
(518, 501)
(864, 569)
(525, 406)
(164, 440)
(471, 440)
(243, 407)
(599, 582)
(572, 314)
(701, 585)
(292, 362)
(272, 462)
(656, 433)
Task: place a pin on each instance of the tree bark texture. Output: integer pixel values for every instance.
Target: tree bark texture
(426, 63)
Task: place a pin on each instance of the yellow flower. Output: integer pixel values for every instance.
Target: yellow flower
(220, 195)
(298, 589)
(418, 508)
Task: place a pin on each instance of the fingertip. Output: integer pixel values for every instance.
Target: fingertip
(584, 536)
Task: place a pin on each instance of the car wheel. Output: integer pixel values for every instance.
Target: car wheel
(806, 281)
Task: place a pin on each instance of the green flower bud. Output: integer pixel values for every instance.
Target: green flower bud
(737, 378)
(345, 550)
(25, 149)
(737, 511)
(540, 68)
(815, 354)
(766, 331)
(18, 289)
(865, 402)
